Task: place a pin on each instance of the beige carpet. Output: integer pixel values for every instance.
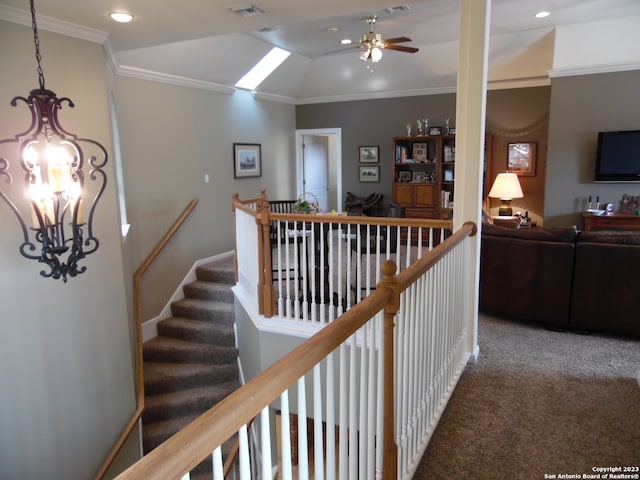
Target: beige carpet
(539, 402)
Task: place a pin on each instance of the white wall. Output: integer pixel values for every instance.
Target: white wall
(172, 137)
(67, 379)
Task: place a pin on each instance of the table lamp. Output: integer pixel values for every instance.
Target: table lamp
(506, 187)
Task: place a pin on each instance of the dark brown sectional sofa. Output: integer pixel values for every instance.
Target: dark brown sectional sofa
(562, 278)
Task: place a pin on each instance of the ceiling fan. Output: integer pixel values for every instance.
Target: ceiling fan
(372, 43)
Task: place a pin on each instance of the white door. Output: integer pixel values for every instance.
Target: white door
(315, 168)
(319, 166)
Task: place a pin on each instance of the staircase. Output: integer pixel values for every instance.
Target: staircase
(192, 364)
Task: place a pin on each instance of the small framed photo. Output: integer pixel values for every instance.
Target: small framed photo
(247, 160)
(369, 154)
(369, 174)
(419, 152)
(435, 130)
(418, 177)
(452, 131)
(521, 159)
(404, 176)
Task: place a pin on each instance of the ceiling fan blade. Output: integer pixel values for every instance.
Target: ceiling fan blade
(400, 48)
(397, 40)
(342, 50)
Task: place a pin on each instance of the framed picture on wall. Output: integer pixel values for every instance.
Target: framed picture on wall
(369, 154)
(247, 160)
(369, 174)
(521, 159)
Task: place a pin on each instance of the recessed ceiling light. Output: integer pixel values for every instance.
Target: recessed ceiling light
(346, 41)
(542, 14)
(121, 17)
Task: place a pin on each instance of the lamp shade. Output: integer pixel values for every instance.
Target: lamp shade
(506, 186)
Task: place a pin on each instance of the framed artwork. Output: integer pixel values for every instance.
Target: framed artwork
(369, 174)
(404, 176)
(247, 160)
(369, 154)
(420, 152)
(521, 159)
(435, 131)
(418, 177)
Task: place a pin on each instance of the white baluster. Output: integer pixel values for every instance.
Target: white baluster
(303, 448)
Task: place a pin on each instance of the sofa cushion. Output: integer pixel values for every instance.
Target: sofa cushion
(605, 287)
(610, 237)
(547, 234)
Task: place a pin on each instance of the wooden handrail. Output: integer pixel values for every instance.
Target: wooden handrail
(417, 269)
(137, 277)
(189, 446)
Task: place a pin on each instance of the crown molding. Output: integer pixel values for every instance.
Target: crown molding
(170, 79)
(22, 17)
(594, 69)
(375, 95)
(519, 83)
(270, 97)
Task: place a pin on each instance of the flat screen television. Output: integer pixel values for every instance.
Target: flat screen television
(618, 156)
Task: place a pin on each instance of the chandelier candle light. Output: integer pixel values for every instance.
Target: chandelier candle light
(52, 163)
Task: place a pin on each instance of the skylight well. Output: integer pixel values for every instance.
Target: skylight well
(263, 69)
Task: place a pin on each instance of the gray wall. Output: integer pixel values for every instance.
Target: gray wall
(581, 106)
(65, 349)
(374, 122)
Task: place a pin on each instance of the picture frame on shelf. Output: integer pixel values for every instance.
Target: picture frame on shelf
(418, 177)
(521, 158)
(247, 160)
(419, 152)
(448, 175)
(452, 131)
(404, 176)
(369, 174)
(369, 154)
(435, 131)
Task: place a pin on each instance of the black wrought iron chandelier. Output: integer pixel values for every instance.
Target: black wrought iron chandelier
(54, 197)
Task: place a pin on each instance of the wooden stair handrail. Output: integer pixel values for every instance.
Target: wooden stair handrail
(137, 277)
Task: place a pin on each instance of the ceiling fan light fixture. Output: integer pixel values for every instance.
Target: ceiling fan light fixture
(372, 54)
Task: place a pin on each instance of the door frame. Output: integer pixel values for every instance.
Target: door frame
(335, 151)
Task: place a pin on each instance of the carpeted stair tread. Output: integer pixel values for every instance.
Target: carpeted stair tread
(157, 432)
(220, 292)
(218, 272)
(217, 312)
(174, 350)
(196, 331)
(195, 400)
(170, 377)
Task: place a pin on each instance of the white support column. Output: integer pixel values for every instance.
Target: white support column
(470, 129)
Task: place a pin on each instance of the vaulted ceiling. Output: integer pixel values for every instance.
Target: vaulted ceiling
(205, 42)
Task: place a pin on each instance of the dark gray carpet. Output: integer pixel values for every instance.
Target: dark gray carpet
(539, 402)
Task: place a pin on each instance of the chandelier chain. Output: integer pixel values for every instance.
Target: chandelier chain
(36, 41)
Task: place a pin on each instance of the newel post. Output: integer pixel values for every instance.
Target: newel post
(389, 281)
(265, 282)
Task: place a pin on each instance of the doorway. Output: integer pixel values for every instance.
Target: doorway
(319, 166)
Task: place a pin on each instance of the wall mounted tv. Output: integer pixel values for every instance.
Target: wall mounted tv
(618, 156)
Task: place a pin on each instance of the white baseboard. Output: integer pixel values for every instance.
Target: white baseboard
(149, 329)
